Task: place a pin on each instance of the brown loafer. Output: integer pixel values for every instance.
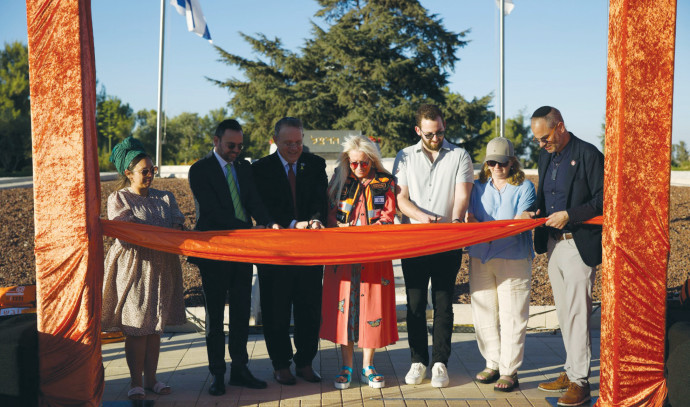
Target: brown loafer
(308, 373)
(575, 395)
(557, 385)
(284, 376)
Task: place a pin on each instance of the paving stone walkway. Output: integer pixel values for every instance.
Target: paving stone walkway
(183, 366)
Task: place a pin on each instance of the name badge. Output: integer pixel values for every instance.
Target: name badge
(379, 200)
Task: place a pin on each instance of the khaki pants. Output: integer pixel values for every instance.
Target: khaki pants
(500, 290)
(572, 281)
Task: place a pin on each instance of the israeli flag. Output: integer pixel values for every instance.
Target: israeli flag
(195, 18)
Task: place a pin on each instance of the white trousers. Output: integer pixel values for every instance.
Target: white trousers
(500, 291)
(572, 281)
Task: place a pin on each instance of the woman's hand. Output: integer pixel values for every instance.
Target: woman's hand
(302, 225)
(528, 215)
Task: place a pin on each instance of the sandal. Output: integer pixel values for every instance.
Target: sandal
(371, 378)
(160, 388)
(136, 393)
(348, 377)
(487, 375)
(511, 383)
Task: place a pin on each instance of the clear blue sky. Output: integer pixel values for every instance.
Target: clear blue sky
(555, 52)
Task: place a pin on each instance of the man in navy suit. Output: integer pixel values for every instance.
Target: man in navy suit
(571, 191)
(293, 185)
(226, 199)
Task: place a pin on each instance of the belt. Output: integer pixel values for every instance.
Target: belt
(561, 236)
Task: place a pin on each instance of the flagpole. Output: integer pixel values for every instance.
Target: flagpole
(159, 114)
(502, 69)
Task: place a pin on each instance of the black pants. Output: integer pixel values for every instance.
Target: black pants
(442, 269)
(218, 278)
(296, 289)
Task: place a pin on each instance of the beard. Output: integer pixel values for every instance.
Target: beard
(429, 145)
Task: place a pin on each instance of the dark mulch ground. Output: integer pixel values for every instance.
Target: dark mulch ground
(17, 261)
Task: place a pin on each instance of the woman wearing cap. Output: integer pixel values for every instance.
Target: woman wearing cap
(359, 299)
(142, 288)
(500, 271)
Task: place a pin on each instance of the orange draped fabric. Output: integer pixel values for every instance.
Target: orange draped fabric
(637, 177)
(68, 244)
(364, 244)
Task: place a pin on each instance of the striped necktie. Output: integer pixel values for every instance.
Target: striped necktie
(235, 195)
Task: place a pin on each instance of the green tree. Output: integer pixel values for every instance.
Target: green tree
(15, 111)
(368, 70)
(465, 122)
(145, 129)
(681, 158)
(185, 139)
(114, 120)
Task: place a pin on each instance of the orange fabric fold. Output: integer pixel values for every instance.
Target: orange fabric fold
(68, 242)
(364, 244)
(639, 106)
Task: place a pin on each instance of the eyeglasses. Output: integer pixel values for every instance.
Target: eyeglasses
(545, 139)
(492, 163)
(232, 146)
(146, 171)
(355, 164)
(439, 134)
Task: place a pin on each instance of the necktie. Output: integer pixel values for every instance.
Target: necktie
(235, 195)
(292, 179)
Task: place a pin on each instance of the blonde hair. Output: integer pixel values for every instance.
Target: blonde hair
(342, 170)
(515, 175)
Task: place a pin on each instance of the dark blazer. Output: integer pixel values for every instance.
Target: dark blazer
(585, 199)
(214, 209)
(274, 188)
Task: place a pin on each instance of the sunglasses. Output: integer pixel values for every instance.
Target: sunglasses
(545, 139)
(146, 171)
(492, 163)
(231, 146)
(439, 134)
(355, 164)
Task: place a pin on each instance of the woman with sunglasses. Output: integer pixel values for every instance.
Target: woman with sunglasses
(359, 299)
(501, 270)
(142, 288)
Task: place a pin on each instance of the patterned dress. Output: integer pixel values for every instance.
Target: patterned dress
(358, 300)
(142, 288)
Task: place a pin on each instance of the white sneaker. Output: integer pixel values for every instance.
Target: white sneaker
(439, 375)
(416, 374)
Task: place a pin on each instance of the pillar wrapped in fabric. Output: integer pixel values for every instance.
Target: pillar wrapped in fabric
(68, 243)
(639, 105)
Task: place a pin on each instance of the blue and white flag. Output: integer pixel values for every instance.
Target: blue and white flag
(195, 18)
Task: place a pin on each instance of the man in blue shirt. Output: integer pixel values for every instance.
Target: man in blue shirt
(571, 191)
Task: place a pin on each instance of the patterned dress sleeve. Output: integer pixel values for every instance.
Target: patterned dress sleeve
(119, 209)
(177, 216)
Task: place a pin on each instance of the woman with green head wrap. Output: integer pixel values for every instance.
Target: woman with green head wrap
(142, 288)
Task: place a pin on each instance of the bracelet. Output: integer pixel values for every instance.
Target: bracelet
(311, 222)
(458, 220)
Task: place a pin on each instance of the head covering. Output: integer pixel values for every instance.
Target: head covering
(124, 152)
(499, 149)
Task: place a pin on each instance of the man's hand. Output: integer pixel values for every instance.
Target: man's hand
(426, 218)
(558, 220)
(469, 218)
(276, 226)
(316, 224)
(528, 215)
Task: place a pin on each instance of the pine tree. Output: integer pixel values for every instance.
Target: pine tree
(369, 69)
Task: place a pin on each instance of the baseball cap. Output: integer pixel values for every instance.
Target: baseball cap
(499, 149)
